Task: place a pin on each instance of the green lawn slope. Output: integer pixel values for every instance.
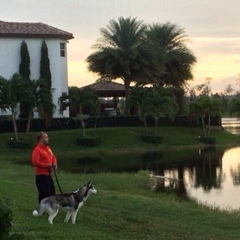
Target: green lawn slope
(125, 206)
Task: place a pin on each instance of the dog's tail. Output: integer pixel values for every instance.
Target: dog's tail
(40, 210)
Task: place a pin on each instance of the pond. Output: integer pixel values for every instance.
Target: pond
(231, 124)
(219, 185)
(209, 175)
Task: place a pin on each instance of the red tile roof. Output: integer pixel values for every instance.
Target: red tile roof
(32, 30)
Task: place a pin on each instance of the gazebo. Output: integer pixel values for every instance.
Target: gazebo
(107, 89)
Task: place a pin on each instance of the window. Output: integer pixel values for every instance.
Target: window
(62, 49)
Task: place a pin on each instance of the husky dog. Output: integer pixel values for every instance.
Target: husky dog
(72, 201)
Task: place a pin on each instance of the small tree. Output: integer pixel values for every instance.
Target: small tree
(45, 106)
(161, 103)
(45, 72)
(11, 94)
(214, 110)
(46, 110)
(157, 102)
(234, 107)
(24, 71)
(24, 66)
(137, 100)
(77, 99)
(206, 106)
(38, 98)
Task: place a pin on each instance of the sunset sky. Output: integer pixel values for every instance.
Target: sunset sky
(213, 28)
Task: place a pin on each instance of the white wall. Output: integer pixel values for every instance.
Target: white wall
(10, 59)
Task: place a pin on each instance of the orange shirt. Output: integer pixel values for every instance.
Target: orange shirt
(42, 156)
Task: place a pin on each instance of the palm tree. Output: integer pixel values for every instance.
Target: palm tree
(38, 98)
(86, 98)
(11, 94)
(206, 106)
(215, 109)
(161, 103)
(45, 106)
(199, 109)
(121, 52)
(137, 99)
(76, 100)
(168, 41)
(157, 102)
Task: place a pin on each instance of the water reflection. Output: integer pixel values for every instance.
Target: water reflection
(235, 173)
(224, 180)
(208, 171)
(213, 180)
(209, 175)
(231, 125)
(204, 171)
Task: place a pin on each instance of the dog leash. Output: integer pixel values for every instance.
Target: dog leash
(57, 180)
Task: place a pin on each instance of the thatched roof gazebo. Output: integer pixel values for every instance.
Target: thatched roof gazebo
(108, 89)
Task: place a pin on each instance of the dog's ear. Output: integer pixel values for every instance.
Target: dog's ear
(89, 183)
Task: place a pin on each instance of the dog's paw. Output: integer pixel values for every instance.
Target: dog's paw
(35, 213)
(50, 221)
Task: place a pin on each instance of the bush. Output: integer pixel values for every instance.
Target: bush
(207, 139)
(151, 138)
(20, 144)
(5, 222)
(89, 141)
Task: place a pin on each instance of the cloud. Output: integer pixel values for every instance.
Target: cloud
(212, 26)
(217, 46)
(79, 74)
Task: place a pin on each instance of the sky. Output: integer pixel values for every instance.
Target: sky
(212, 27)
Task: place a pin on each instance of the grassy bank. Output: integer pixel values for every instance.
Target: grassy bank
(125, 139)
(125, 207)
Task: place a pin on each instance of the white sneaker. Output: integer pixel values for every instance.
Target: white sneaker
(35, 213)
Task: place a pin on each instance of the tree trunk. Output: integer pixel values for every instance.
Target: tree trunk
(209, 123)
(145, 126)
(48, 119)
(82, 121)
(203, 126)
(127, 87)
(156, 126)
(95, 125)
(15, 126)
(83, 128)
(28, 124)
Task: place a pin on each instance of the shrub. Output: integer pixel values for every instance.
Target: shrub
(89, 141)
(5, 222)
(20, 144)
(151, 138)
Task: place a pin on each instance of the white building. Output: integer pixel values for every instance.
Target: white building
(11, 36)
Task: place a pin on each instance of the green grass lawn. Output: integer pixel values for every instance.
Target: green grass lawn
(125, 206)
(122, 139)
